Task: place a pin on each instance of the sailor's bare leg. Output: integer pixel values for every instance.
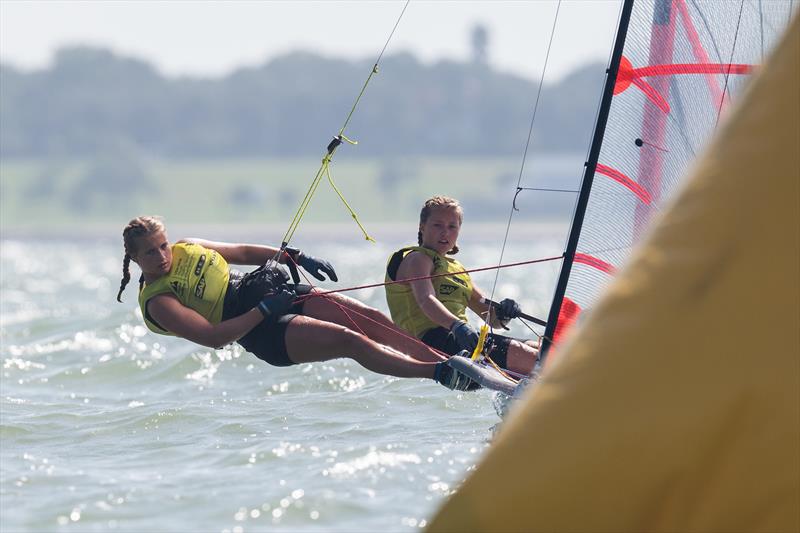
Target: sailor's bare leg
(521, 357)
(309, 340)
(353, 314)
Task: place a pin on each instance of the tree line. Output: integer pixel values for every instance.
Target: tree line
(91, 99)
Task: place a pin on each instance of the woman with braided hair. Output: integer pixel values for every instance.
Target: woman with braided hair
(432, 304)
(187, 289)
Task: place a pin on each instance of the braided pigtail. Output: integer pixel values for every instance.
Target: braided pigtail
(126, 276)
(136, 228)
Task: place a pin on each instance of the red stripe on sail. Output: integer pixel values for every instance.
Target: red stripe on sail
(624, 180)
(628, 76)
(567, 316)
(699, 50)
(651, 94)
(654, 120)
(690, 68)
(634, 76)
(624, 75)
(594, 262)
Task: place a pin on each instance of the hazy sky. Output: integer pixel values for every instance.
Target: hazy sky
(212, 38)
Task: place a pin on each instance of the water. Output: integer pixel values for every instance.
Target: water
(106, 426)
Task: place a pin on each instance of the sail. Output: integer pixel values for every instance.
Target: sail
(676, 68)
(662, 415)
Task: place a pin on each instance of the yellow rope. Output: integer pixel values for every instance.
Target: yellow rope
(325, 167)
(481, 340)
(500, 369)
(350, 209)
(358, 99)
(303, 206)
(478, 351)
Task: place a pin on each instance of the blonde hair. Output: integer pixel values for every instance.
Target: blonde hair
(439, 202)
(138, 227)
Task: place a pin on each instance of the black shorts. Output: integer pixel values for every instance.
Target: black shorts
(267, 340)
(442, 340)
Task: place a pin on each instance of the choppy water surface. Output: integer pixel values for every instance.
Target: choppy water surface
(106, 426)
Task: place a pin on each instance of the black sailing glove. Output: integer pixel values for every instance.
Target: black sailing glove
(466, 336)
(508, 309)
(314, 266)
(274, 306)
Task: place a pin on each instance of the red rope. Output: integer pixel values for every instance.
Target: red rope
(347, 312)
(372, 285)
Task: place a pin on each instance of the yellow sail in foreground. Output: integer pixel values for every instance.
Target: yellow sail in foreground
(676, 407)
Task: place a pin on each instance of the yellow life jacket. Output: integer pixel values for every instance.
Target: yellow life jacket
(198, 278)
(452, 290)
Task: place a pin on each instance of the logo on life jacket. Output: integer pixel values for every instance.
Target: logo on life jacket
(447, 290)
(200, 289)
(177, 288)
(200, 263)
